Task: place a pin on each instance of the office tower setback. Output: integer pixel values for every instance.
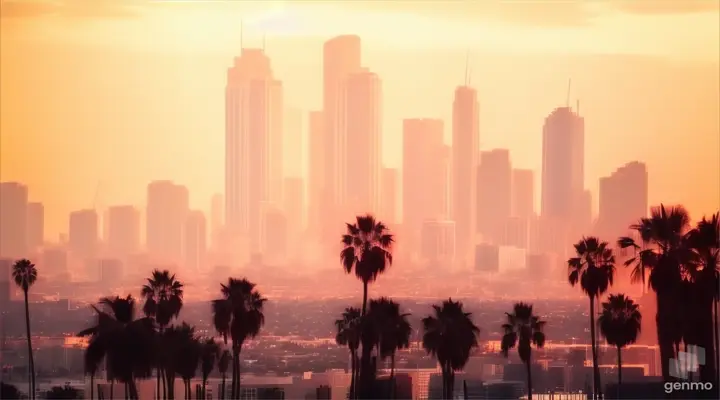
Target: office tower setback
(424, 179)
(295, 204)
(341, 57)
(253, 142)
(523, 193)
(465, 145)
(35, 225)
(83, 233)
(494, 186)
(123, 231)
(195, 241)
(361, 133)
(623, 198)
(316, 170)
(13, 214)
(388, 196)
(167, 209)
(438, 241)
(563, 155)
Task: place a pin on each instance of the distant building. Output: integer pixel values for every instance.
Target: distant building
(167, 210)
(517, 232)
(83, 233)
(294, 204)
(35, 226)
(54, 260)
(438, 241)
(123, 231)
(110, 271)
(623, 199)
(523, 193)
(5, 282)
(274, 233)
(494, 194)
(195, 241)
(317, 195)
(511, 259)
(388, 196)
(487, 258)
(13, 214)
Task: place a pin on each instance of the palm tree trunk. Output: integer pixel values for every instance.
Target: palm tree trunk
(112, 388)
(157, 379)
(204, 387)
(92, 387)
(451, 383)
(236, 374)
(31, 360)
(127, 391)
(392, 375)
(365, 296)
(443, 370)
(717, 342)
(353, 367)
(597, 389)
(619, 351)
(170, 376)
(222, 388)
(528, 366)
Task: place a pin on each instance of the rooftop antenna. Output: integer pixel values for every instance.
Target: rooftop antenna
(577, 107)
(567, 98)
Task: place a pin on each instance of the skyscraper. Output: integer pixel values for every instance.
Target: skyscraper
(292, 139)
(217, 221)
(623, 198)
(341, 57)
(563, 163)
(123, 231)
(294, 206)
(361, 130)
(274, 233)
(83, 233)
(494, 187)
(388, 196)
(316, 170)
(253, 142)
(424, 177)
(35, 225)
(465, 143)
(523, 193)
(13, 214)
(195, 241)
(167, 209)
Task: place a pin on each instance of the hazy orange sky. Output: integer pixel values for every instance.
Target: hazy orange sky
(126, 91)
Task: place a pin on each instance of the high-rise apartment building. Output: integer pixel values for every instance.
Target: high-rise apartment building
(494, 188)
(362, 133)
(13, 214)
(341, 57)
(424, 175)
(623, 198)
(465, 145)
(523, 193)
(83, 233)
(123, 231)
(167, 209)
(253, 142)
(35, 225)
(316, 170)
(388, 196)
(195, 241)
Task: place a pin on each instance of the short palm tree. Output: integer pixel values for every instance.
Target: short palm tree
(209, 357)
(619, 323)
(524, 330)
(24, 274)
(348, 334)
(450, 336)
(593, 268)
(163, 296)
(392, 330)
(238, 314)
(63, 393)
(223, 365)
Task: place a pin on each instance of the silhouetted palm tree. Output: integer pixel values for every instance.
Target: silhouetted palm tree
(664, 252)
(392, 330)
(128, 344)
(223, 365)
(24, 274)
(188, 358)
(210, 356)
(348, 334)
(449, 335)
(704, 275)
(238, 314)
(594, 268)
(524, 329)
(63, 393)
(94, 356)
(8, 391)
(367, 250)
(163, 296)
(619, 323)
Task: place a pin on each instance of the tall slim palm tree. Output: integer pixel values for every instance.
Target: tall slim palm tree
(524, 329)
(190, 353)
(209, 357)
(392, 330)
(127, 344)
(619, 323)
(238, 314)
(163, 296)
(348, 334)
(663, 250)
(704, 275)
(223, 365)
(367, 250)
(24, 274)
(593, 268)
(449, 335)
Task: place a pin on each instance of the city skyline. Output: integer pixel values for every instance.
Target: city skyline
(129, 188)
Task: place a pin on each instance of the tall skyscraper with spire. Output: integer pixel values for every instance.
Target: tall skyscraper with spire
(465, 144)
(253, 142)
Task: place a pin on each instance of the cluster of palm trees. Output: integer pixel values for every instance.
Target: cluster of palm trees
(678, 261)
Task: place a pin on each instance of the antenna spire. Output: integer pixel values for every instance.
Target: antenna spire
(567, 98)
